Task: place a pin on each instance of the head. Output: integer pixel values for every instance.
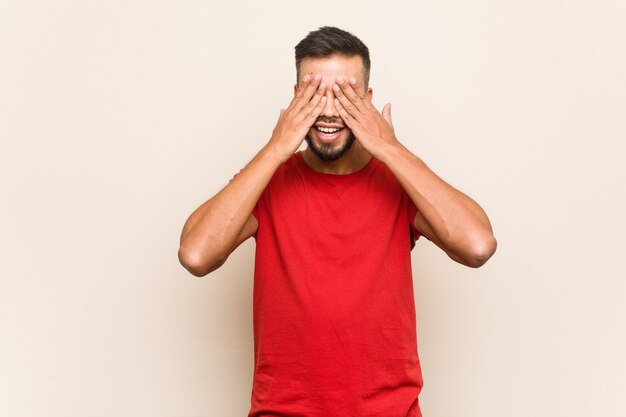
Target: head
(332, 52)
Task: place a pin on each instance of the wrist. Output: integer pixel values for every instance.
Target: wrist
(390, 151)
(271, 153)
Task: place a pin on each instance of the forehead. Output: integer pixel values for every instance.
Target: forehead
(332, 67)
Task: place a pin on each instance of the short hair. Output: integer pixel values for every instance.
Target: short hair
(328, 41)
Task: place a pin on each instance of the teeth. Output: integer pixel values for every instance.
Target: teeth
(327, 129)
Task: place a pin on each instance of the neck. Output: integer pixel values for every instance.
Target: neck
(353, 160)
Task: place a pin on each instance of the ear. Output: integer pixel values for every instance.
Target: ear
(295, 89)
(370, 93)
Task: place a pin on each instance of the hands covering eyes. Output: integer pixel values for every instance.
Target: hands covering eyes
(371, 128)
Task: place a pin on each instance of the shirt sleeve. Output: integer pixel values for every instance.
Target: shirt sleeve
(255, 210)
(412, 210)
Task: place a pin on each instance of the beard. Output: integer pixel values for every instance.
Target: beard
(326, 151)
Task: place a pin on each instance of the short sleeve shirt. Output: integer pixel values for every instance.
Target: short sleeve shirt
(333, 304)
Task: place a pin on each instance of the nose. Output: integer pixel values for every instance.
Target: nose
(330, 111)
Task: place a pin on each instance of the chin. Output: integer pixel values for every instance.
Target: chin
(330, 151)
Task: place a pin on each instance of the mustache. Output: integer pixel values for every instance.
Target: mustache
(334, 120)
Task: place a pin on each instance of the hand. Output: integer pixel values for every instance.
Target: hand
(295, 121)
(372, 129)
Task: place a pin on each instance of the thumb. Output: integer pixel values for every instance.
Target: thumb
(387, 114)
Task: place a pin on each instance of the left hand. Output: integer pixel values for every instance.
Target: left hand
(373, 130)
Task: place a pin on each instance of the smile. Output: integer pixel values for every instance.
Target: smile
(327, 129)
(327, 134)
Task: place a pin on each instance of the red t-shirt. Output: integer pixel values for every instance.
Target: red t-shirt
(333, 311)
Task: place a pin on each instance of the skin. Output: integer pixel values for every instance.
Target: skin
(331, 69)
(446, 216)
(332, 88)
(216, 228)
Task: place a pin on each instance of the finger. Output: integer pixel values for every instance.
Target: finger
(319, 93)
(387, 114)
(314, 102)
(347, 118)
(345, 101)
(299, 91)
(358, 87)
(309, 90)
(314, 114)
(306, 79)
(353, 92)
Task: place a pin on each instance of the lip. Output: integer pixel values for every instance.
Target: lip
(327, 137)
(329, 125)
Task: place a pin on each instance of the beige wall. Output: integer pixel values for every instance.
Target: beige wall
(118, 118)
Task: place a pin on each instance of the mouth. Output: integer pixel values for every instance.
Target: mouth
(328, 134)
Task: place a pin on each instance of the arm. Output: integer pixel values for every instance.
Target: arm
(446, 216)
(224, 221)
(216, 228)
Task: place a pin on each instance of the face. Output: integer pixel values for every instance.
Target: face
(329, 138)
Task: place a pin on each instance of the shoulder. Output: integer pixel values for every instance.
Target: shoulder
(382, 175)
(287, 176)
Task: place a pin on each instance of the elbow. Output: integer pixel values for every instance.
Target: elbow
(482, 251)
(198, 265)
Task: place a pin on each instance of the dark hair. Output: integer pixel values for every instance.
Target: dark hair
(327, 41)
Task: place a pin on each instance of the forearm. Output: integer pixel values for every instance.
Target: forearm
(456, 220)
(449, 218)
(213, 228)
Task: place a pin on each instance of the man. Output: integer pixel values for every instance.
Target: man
(334, 314)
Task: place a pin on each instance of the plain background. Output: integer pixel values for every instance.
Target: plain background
(119, 118)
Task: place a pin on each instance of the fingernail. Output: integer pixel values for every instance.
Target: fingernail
(336, 87)
(306, 77)
(318, 77)
(339, 80)
(352, 80)
(322, 85)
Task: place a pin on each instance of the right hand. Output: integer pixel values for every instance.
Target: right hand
(295, 121)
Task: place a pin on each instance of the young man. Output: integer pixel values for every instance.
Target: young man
(334, 314)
